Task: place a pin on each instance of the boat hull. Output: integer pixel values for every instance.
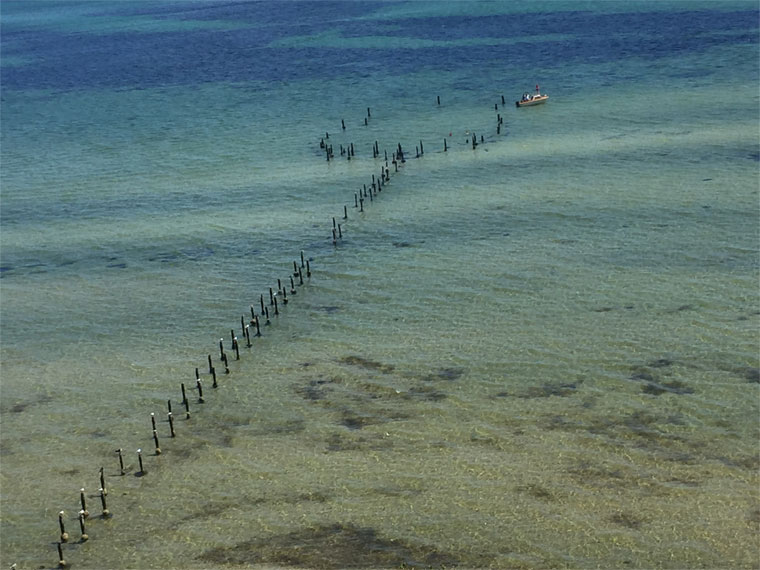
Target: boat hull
(538, 100)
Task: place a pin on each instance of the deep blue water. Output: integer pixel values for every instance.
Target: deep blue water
(143, 59)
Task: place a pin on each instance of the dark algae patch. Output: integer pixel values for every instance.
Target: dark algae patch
(680, 308)
(654, 432)
(355, 403)
(367, 364)
(19, 407)
(599, 475)
(215, 509)
(425, 393)
(316, 389)
(450, 374)
(674, 387)
(660, 363)
(547, 390)
(650, 375)
(356, 420)
(351, 441)
(626, 520)
(646, 376)
(753, 518)
(536, 491)
(331, 546)
(752, 375)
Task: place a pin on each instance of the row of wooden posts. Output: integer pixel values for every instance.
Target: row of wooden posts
(350, 152)
(249, 325)
(83, 515)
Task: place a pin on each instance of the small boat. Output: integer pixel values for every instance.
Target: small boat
(528, 100)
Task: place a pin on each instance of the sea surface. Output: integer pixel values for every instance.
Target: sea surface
(540, 352)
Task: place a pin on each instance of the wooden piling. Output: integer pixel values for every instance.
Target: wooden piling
(84, 503)
(155, 440)
(85, 536)
(199, 386)
(171, 425)
(105, 513)
(61, 561)
(64, 534)
(121, 460)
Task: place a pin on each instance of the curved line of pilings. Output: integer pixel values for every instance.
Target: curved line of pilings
(267, 306)
(398, 158)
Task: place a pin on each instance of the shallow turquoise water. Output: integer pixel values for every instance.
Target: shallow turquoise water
(542, 352)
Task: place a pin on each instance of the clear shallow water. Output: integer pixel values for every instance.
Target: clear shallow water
(539, 353)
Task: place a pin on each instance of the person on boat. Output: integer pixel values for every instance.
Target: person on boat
(526, 97)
